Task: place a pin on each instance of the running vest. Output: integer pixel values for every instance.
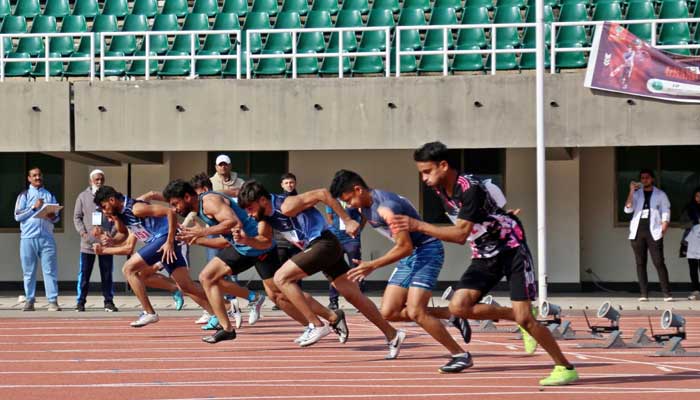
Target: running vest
(144, 229)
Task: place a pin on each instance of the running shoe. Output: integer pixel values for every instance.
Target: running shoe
(528, 341)
(560, 376)
(255, 308)
(333, 304)
(457, 364)
(145, 319)
(80, 307)
(304, 335)
(203, 319)
(110, 307)
(340, 326)
(219, 336)
(316, 334)
(395, 344)
(463, 327)
(235, 312)
(178, 299)
(212, 325)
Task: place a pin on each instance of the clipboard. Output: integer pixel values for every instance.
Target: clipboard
(48, 208)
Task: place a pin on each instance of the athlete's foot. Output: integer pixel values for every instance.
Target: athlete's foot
(457, 364)
(235, 313)
(219, 336)
(178, 299)
(395, 344)
(304, 336)
(528, 341)
(559, 376)
(340, 326)
(333, 304)
(255, 308)
(463, 327)
(212, 325)
(316, 334)
(145, 319)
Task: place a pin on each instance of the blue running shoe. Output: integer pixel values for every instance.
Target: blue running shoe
(212, 325)
(178, 299)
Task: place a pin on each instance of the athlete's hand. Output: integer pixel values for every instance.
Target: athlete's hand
(360, 271)
(400, 223)
(168, 249)
(239, 236)
(514, 212)
(97, 248)
(189, 234)
(352, 227)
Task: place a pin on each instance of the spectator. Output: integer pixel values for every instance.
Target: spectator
(651, 215)
(36, 240)
(224, 180)
(693, 239)
(90, 224)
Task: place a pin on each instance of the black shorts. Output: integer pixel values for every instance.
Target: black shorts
(324, 254)
(515, 264)
(266, 264)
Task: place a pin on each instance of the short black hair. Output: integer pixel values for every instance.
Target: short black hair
(32, 169)
(647, 171)
(201, 180)
(251, 192)
(343, 182)
(178, 189)
(105, 193)
(433, 151)
(288, 175)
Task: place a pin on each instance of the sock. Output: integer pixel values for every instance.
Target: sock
(252, 295)
(459, 355)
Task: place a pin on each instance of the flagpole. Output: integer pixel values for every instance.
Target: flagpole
(541, 160)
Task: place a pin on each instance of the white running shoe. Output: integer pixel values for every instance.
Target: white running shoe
(255, 308)
(203, 319)
(145, 319)
(694, 296)
(316, 334)
(395, 344)
(235, 313)
(304, 336)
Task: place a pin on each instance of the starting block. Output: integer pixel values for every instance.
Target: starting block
(612, 341)
(674, 348)
(640, 339)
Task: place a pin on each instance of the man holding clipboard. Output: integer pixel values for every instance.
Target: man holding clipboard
(37, 210)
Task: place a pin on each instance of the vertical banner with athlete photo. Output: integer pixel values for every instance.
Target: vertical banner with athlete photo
(621, 62)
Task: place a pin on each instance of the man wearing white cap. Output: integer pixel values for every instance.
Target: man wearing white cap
(90, 224)
(224, 180)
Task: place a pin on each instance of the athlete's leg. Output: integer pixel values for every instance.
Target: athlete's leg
(133, 266)
(417, 305)
(286, 280)
(181, 275)
(351, 291)
(212, 279)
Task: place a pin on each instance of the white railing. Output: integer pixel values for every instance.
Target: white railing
(100, 39)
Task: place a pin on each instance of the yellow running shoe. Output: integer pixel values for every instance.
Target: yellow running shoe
(529, 341)
(560, 376)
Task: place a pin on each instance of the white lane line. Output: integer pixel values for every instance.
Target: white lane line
(666, 369)
(581, 357)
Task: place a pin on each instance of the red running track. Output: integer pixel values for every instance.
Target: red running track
(105, 359)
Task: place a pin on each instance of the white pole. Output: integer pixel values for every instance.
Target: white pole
(541, 163)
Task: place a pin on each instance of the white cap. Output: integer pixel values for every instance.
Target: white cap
(96, 172)
(223, 158)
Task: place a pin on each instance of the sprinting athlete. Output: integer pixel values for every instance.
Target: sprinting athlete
(420, 260)
(498, 249)
(296, 218)
(156, 226)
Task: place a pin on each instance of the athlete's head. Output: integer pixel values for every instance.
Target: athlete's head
(109, 200)
(349, 187)
(181, 196)
(201, 183)
(255, 199)
(432, 163)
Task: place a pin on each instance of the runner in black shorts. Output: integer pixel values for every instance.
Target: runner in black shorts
(498, 249)
(301, 224)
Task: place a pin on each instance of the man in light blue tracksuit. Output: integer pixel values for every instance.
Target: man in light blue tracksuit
(36, 240)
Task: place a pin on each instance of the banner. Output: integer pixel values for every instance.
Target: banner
(621, 62)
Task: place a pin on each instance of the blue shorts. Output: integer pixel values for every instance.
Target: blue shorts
(421, 268)
(152, 256)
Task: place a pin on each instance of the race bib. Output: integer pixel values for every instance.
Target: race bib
(341, 224)
(96, 218)
(293, 238)
(645, 213)
(140, 232)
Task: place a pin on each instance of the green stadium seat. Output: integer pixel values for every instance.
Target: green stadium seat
(18, 69)
(230, 68)
(87, 8)
(271, 66)
(376, 39)
(392, 5)
(468, 62)
(12, 24)
(175, 67)
(510, 3)
(330, 66)
(159, 43)
(325, 5)
(115, 67)
(507, 36)
(5, 8)
(149, 8)
(570, 60)
(562, 3)
(360, 5)
(34, 46)
(641, 10)
(77, 68)
(102, 23)
(208, 7)
(282, 42)
(408, 63)
(346, 19)
(571, 35)
(255, 20)
(606, 11)
(314, 41)
(434, 39)
(529, 60)
(368, 65)
(118, 8)
(66, 45)
(221, 42)
(127, 44)
(55, 67)
(468, 38)
(238, 7)
(479, 3)
(54, 8)
(455, 4)
(421, 4)
(529, 39)
(432, 63)
(300, 7)
(266, 6)
(177, 7)
(551, 3)
(674, 33)
(305, 66)
(504, 62)
(27, 8)
(193, 22)
(211, 67)
(138, 67)
(410, 39)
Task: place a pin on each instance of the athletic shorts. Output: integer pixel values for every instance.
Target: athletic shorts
(515, 264)
(421, 268)
(266, 264)
(324, 254)
(152, 256)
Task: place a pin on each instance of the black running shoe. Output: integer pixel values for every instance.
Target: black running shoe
(80, 307)
(219, 336)
(340, 327)
(463, 327)
(456, 365)
(333, 304)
